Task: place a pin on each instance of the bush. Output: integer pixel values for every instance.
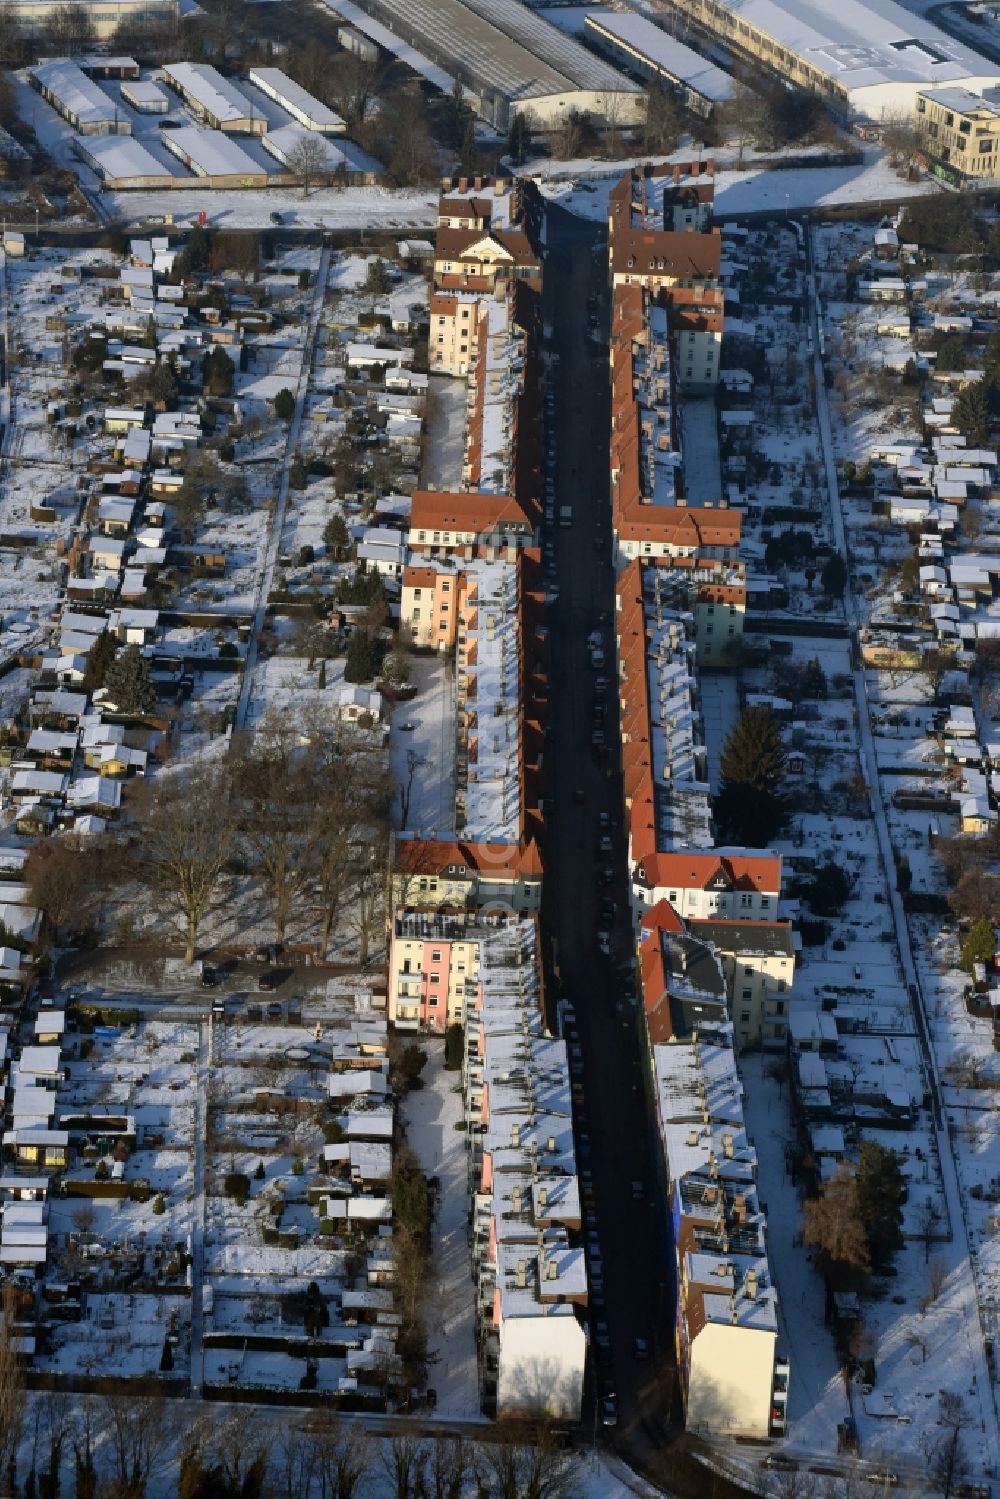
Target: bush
(453, 1044)
(237, 1186)
(101, 1173)
(979, 945)
(298, 1169)
(259, 1173)
(284, 405)
(829, 889)
(307, 556)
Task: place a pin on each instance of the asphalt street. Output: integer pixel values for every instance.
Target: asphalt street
(616, 1140)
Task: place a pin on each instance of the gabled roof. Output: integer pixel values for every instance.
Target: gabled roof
(736, 869)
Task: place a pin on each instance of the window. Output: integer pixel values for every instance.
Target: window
(433, 1002)
(746, 900)
(446, 586)
(765, 902)
(747, 971)
(746, 994)
(436, 956)
(985, 148)
(745, 1017)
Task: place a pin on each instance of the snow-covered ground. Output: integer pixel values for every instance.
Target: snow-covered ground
(432, 1116)
(423, 756)
(444, 434)
(585, 187)
(700, 448)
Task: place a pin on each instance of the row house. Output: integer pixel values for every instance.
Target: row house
(650, 517)
(696, 971)
(732, 1369)
(681, 266)
(528, 1261)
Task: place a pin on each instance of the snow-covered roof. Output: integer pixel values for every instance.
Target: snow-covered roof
(77, 94)
(864, 44)
(644, 40)
(213, 93)
(120, 156)
(211, 153)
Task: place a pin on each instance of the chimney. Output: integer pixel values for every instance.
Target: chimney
(692, 1137)
(515, 1136)
(552, 1270)
(515, 1197)
(543, 1196)
(727, 1146)
(522, 1274)
(550, 1145)
(750, 1285)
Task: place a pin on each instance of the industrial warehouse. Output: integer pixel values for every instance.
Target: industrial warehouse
(300, 104)
(268, 107)
(513, 60)
(866, 58)
(639, 45)
(213, 99)
(90, 111)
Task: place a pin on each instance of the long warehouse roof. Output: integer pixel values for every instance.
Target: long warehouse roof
(662, 50)
(503, 45)
(75, 91)
(214, 152)
(123, 156)
(864, 43)
(213, 92)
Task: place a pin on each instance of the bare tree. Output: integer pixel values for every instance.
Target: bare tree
(946, 1457)
(352, 85)
(368, 905)
(71, 29)
(139, 1432)
(184, 842)
(308, 159)
(59, 873)
(413, 764)
(343, 1460)
(834, 1225)
(11, 1389)
(402, 1460)
(525, 1464)
(295, 1460)
(930, 1218)
(450, 1467)
(277, 786)
(900, 138)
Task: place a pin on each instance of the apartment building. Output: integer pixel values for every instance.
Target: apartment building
(449, 523)
(451, 872)
(696, 971)
(650, 518)
(758, 963)
(435, 959)
(733, 1374)
(960, 131)
(681, 266)
(528, 1262)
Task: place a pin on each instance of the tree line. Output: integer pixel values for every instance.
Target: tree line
(123, 1446)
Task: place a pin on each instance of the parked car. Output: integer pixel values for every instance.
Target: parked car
(609, 1411)
(640, 1348)
(272, 980)
(779, 1462)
